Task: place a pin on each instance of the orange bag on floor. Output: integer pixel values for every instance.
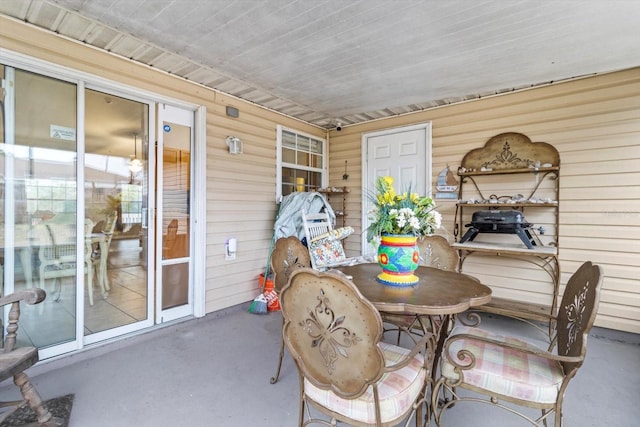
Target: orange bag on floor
(273, 302)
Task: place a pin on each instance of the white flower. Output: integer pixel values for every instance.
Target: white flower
(414, 223)
(437, 219)
(405, 213)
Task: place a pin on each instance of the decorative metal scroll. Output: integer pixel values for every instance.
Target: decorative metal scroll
(328, 333)
(511, 150)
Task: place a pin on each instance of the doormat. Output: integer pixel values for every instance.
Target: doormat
(60, 407)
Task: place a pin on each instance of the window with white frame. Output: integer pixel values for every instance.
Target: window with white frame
(301, 162)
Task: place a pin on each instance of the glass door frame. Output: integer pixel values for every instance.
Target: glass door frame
(198, 210)
(146, 218)
(186, 118)
(198, 213)
(11, 66)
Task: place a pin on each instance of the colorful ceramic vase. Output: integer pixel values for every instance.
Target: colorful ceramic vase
(398, 256)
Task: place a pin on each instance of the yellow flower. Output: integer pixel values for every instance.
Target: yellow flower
(404, 213)
(388, 198)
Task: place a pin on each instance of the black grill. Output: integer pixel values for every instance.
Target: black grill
(499, 221)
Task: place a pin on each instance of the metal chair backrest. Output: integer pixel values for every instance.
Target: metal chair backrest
(577, 312)
(332, 332)
(288, 254)
(435, 251)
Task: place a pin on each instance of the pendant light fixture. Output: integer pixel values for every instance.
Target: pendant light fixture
(135, 164)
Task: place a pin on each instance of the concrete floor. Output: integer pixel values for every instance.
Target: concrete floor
(215, 371)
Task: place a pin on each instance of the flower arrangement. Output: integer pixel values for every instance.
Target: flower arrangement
(406, 213)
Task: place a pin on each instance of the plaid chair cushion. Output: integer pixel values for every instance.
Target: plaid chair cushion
(505, 371)
(397, 390)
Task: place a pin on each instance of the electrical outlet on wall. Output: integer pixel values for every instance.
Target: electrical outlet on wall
(230, 249)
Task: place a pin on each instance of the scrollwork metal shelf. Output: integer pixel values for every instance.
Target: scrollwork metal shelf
(509, 154)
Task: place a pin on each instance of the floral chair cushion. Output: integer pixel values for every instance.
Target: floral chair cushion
(327, 249)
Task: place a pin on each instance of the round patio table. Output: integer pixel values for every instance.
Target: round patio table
(438, 292)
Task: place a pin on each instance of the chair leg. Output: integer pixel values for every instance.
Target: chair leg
(104, 265)
(419, 421)
(57, 289)
(90, 282)
(30, 394)
(101, 277)
(56, 292)
(274, 379)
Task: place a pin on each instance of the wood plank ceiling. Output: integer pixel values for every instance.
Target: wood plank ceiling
(334, 61)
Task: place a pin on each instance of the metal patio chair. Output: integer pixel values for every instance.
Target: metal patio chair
(510, 370)
(345, 371)
(288, 254)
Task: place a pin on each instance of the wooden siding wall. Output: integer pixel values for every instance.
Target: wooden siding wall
(241, 198)
(595, 125)
(240, 188)
(593, 122)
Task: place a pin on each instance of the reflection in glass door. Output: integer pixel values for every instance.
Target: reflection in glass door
(38, 200)
(174, 216)
(74, 190)
(116, 176)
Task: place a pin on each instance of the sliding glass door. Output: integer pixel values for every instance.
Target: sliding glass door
(116, 193)
(75, 180)
(38, 202)
(80, 215)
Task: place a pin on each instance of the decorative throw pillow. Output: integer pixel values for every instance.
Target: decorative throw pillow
(326, 251)
(338, 233)
(342, 232)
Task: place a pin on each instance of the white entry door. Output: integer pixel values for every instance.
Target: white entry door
(402, 153)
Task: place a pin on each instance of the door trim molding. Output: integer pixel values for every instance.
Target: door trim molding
(199, 233)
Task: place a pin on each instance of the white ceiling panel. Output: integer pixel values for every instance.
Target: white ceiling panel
(329, 61)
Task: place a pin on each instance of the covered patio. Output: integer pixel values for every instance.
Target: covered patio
(215, 371)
